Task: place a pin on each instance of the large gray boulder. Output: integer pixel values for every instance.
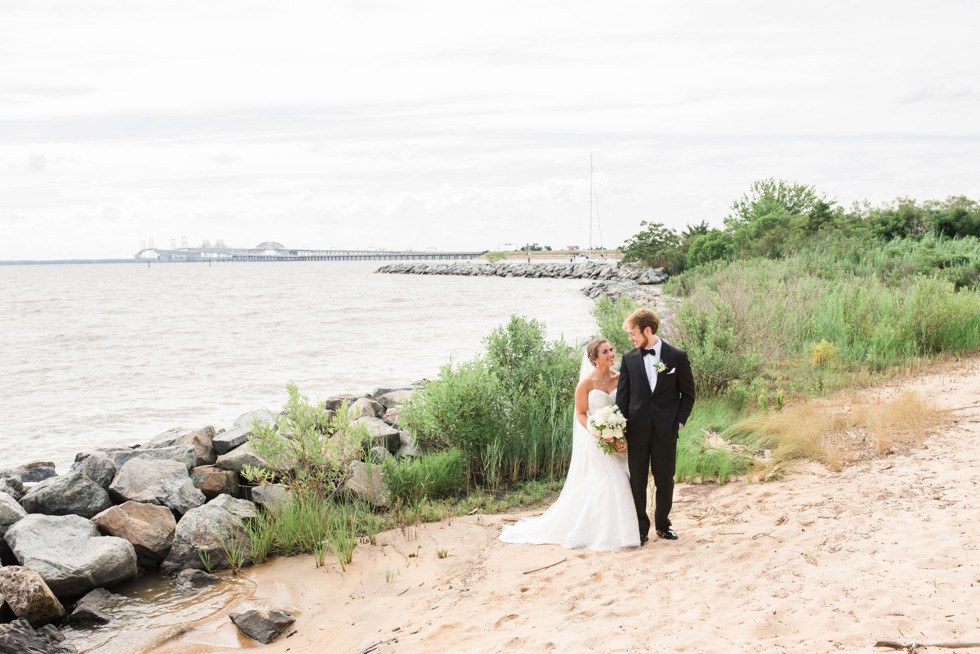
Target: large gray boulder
(98, 467)
(226, 441)
(69, 554)
(379, 433)
(201, 441)
(213, 481)
(238, 435)
(394, 398)
(149, 527)
(10, 510)
(11, 484)
(166, 438)
(28, 596)
(184, 454)
(35, 471)
(244, 509)
(365, 407)
(270, 498)
(240, 457)
(248, 420)
(19, 637)
(204, 540)
(162, 482)
(368, 482)
(333, 402)
(73, 493)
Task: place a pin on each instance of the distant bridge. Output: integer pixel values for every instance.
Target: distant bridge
(289, 254)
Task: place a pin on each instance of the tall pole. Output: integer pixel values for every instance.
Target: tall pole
(591, 191)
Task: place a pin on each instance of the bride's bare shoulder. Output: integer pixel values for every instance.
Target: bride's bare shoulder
(587, 384)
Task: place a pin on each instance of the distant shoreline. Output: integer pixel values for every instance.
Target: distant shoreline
(46, 262)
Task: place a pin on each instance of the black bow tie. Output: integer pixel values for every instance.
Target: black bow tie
(651, 352)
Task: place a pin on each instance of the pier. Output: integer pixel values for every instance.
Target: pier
(277, 252)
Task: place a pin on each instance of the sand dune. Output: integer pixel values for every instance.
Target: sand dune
(887, 549)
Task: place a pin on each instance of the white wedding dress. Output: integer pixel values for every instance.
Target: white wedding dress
(595, 510)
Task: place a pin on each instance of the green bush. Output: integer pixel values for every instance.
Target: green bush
(308, 447)
(715, 346)
(610, 315)
(509, 412)
(464, 408)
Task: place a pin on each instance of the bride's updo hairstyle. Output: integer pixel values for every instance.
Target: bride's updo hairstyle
(592, 349)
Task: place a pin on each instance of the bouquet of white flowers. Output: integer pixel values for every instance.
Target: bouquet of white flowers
(607, 425)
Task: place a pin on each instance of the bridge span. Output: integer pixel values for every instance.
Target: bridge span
(217, 254)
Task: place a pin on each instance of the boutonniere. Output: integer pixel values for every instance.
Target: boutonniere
(661, 367)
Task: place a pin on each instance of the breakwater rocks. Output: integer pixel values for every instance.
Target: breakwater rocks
(550, 269)
(610, 279)
(173, 505)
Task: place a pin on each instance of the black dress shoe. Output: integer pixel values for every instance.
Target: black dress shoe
(643, 540)
(667, 534)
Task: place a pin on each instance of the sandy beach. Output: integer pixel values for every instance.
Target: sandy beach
(821, 561)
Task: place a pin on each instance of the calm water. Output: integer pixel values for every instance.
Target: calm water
(97, 355)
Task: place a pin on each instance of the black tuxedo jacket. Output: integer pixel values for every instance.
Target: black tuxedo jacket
(660, 413)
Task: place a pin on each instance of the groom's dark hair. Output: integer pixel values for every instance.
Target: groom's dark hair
(643, 318)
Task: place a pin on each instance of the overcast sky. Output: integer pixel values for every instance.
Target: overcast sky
(463, 125)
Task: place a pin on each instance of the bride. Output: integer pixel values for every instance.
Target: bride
(595, 509)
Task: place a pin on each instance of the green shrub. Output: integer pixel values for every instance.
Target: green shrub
(715, 346)
(509, 412)
(610, 315)
(464, 408)
(308, 447)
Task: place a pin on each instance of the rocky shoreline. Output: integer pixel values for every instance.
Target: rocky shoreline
(610, 278)
(167, 507)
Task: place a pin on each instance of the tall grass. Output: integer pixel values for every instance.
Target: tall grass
(308, 524)
(700, 458)
(838, 430)
(758, 318)
(432, 476)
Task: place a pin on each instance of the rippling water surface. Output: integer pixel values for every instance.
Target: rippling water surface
(95, 355)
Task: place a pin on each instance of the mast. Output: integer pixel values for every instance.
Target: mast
(593, 201)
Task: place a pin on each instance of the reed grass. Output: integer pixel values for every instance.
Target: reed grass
(309, 524)
(700, 458)
(838, 430)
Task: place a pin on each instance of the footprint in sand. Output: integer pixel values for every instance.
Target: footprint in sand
(504, 620)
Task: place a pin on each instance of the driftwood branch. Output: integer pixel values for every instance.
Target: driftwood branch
(527, 572)
(914, 646)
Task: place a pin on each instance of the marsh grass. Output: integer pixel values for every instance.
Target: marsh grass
(308, 524)
(701, 454)
(801, 322)
(840, 430)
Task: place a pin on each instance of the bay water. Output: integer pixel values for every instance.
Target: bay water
(97, 355)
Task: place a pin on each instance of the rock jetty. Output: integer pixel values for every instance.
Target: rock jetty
(608, 278)
(549, 270)
(169, 506)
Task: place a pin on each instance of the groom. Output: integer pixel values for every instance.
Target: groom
(655, 394)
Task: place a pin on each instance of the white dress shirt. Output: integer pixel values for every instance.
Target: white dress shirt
(650, 364)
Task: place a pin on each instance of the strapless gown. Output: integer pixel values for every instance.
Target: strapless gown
(595, 509)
